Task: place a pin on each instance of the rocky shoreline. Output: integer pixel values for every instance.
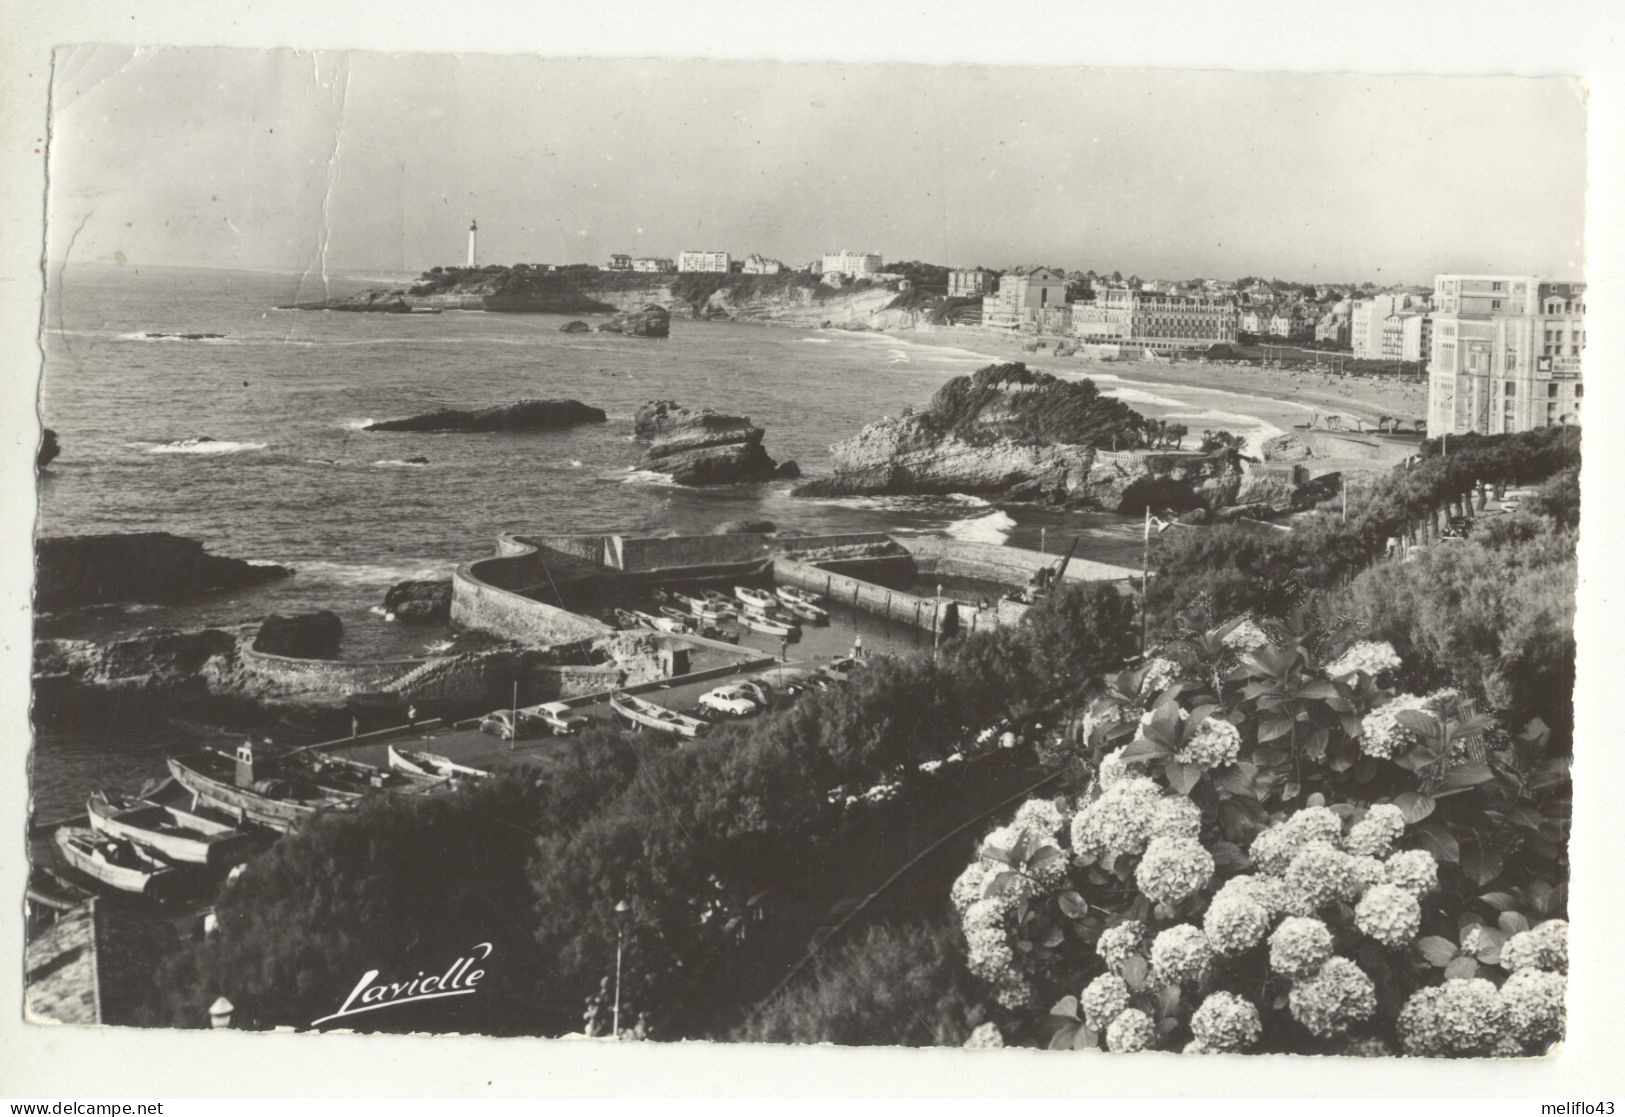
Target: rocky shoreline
(76, 571)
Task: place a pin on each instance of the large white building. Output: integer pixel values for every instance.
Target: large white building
(703, 261)
(1506, 354)
(1125, 316)
(1366, 323)
(1032, 298)
(851, 263)
(968, 283)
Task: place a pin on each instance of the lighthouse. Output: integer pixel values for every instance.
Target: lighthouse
(473, 240)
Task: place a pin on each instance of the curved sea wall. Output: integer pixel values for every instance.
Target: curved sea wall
(485, 597)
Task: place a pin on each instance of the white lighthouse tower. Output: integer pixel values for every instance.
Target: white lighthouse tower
(473, 241)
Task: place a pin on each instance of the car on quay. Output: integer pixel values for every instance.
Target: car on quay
(558, 719)
(732, 701)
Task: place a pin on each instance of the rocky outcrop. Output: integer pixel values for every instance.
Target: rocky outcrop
(73, 571)
(49, 448)
(522, 415)
(301, 635)
(1287, 448)
(576, 327)
(704, 447)
(420, 601)
(744, 527)
(652, 320)
(154, 660)
(1013, 434)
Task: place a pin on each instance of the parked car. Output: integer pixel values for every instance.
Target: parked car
(499, 723)
(558, 719)
(730, 700)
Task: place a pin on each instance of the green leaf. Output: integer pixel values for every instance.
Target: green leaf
(1500, 901)
(1481, 865)
(1318, 689)
(1085, 1038)
(1272, 726)
(1072, 904)
(1438, 951)
(1237, 778)
(1314, 744)
(1513, 922)
(1420, 722)
(1464, 776)
(1168, 1000)
(1182, 777)
(1135, 972)
(1461, 967)
(1228, 855)
(1144, 748)
(1064, 1038)
(1414, 806)
(1441, 843)
(1067, 1006)
(1045, 857)
(1315, 800)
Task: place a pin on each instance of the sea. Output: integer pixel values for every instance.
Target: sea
(253, 442)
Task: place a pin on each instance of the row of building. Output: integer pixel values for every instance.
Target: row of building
(845, 264)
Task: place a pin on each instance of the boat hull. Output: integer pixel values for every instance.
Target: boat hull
(676, 725)
(71, 843)
(242, 804)
(171, 833)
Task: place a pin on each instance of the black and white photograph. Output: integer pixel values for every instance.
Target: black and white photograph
(1071, 558)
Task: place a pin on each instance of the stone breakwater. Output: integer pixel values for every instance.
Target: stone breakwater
(704, 447)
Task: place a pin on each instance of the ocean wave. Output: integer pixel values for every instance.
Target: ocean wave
(206, 446)
(1134, 395)
(635, 476)
(357, 424)
(924, 504)
(195, 339)
(373, 574)
(995, 527)
(817, 340)
(398, 463)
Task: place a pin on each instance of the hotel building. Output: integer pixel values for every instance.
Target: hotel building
(1026, 299)
(1124, 316)
(851, 263)
(1506, 354)
(704, 261)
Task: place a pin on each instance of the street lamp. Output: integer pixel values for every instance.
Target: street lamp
(623, 911)
(220, 1013)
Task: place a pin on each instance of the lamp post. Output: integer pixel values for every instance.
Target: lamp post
(220, 1013)
(622, 911)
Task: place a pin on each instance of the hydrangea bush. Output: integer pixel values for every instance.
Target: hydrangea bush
(1278, 851)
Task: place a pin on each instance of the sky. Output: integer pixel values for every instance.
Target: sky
(359, 162)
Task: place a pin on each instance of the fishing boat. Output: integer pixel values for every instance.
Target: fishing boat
(676, 614)
(769, 624)
(433, 765)
(705, 608)
(276, 801)
(792, 595)
(627, 619)
(760, 599)
(647, 714)
(351, 777)
(810, 613)
(115, 863)
(720, 603)
(171, 832)
(51, 890)
(660, 624)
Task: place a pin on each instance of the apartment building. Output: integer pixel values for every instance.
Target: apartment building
(968, 283)
(620, 261)
(654, 264)
(761, 265)
(704, 261)
(1367, 319)
(1026, 299)
(1506, 354)
(1125, 316)
(852, 264)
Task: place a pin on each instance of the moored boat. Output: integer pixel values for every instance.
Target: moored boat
(117, 864)
(789, 594)
(720, 603)
(236, 787)
(760, 599)
(170, 832)
(647, 714)
(660, 624)
(350, 777)
(433, 765)
(769, 624)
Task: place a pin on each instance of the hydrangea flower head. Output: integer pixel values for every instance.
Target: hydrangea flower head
(1173, 869)
(1375, 834)
(1533, 1001)
(1131, 1031)
(1545, 947)
(1336, 998)
(1176, 817)
(1215, 744)
(1381, 734)
(1113, 768)
(1226, 1022)
(1235, 923)
(985, 1035)
(1102, 999)
(1323, 874)
(1390, 914)
(1372, 657)
(1041, 818)
(1414, 870)
(1464, 1016)
(1160, 674)
(972, 883)
(1118, 944)
(1299, 946)
(1246, 636)
(1181, 955)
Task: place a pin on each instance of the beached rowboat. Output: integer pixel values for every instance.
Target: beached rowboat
(114, 863)
(647, 714)
(417, 763)
(172, 833)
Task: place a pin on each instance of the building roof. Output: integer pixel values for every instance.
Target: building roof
(91, 966)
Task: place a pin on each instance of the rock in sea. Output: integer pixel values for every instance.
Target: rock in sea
(301, 635)
(521, 415)
(420, 601)
(704, 447)
(577, 327)
(651, 321)
(72, 571)
(49, 448)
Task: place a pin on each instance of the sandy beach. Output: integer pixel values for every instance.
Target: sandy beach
(1282, 397)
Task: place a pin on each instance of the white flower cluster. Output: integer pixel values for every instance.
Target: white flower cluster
(985, 1035)
(988, 951)
(1175, 816)
(1226, 1022)
(1102, 999)
(1104, 711)
(1120, 943)
(1336, 998)
(1383, 737)
(1215, 744)
(1181, 955)
(1042, 818)
(1235, 923)
(1372, 657)
(1273, 849)
(1119, 821)
(1113, 768)
(1246, 636)
(1375, 834)
(1389, 914)
(1173, 869)
(1160, 674)
(1131, 1031)
(1299, 946)
(1545, 947)
(1470, 1016)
